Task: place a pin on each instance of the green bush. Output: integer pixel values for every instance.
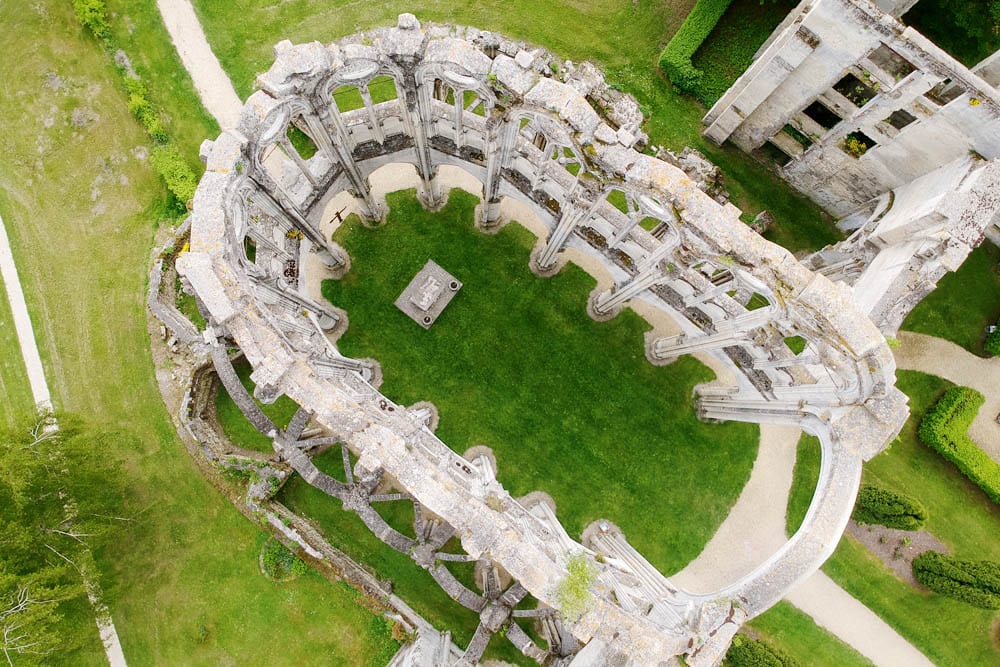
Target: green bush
(747, 652)
(974, 582)
(944, 429)
(93, 16)
(174, 170)
(888, 508)
(279, 563)
(573, 592)
(675, 61)
(992, 345)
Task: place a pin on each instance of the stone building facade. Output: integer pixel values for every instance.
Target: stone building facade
(884, 130)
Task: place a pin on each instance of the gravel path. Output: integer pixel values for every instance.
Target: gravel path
(213, 85)
(43, 401)
(919, 352)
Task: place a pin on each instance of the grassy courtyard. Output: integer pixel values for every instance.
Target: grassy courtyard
(81, 205)
(624, 38)
(569, 405)
(959, 514)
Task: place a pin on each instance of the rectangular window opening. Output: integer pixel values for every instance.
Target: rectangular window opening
(856, 90)
(820, 113)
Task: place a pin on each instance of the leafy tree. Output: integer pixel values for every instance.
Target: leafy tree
(60, 497)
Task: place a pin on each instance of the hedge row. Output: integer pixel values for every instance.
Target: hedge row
(675, 60)
(888, 508)
(747, 652)
(974, 582)
(166, 158)
(944, 428)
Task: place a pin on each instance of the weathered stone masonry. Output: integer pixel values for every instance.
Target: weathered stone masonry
(883, 129)
(560, 145)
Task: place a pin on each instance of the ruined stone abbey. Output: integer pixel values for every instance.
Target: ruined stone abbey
(865, 116)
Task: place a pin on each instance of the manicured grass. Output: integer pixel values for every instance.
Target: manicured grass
(807, 461)
(236, 427)
(959, 514)
(730, 47)
(570, 406)
(798, 635)
(188, 559)
(964, 303)
(16, 401)
(624, 38)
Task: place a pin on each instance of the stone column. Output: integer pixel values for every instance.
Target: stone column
(289, 149)
(606, 304)
(501, 137)
(420, 111)
(341, 151)
(575, 210)
(366, 97)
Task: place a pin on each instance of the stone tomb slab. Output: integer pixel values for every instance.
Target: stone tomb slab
(425, 298)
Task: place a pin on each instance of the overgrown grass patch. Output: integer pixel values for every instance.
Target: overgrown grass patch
(80, 203)
(570, 406)
(16, 401)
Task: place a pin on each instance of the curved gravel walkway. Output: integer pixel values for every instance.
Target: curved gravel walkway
(936, 356)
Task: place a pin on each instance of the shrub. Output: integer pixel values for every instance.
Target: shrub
(747, 652)
(573, 592)
(93, 16)
(992, 345)
(174, 170)
(888, 508)
(944, 429)
(279, 563)
(675, 61)
(973, 582)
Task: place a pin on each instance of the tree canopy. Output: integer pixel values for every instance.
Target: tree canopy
(61, 497)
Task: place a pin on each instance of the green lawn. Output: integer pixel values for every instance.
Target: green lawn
(798, 635)
(959, 514)
(16, 401)
(80, 203)
(569, 405)
(624, 38)
(235, 426)
(804, 480)
(964, 303)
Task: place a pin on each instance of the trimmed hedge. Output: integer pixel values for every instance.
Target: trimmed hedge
(888, 508)
(675, 60)
(166, 159)
(747, 652)
(971, 581)
(944, 429)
